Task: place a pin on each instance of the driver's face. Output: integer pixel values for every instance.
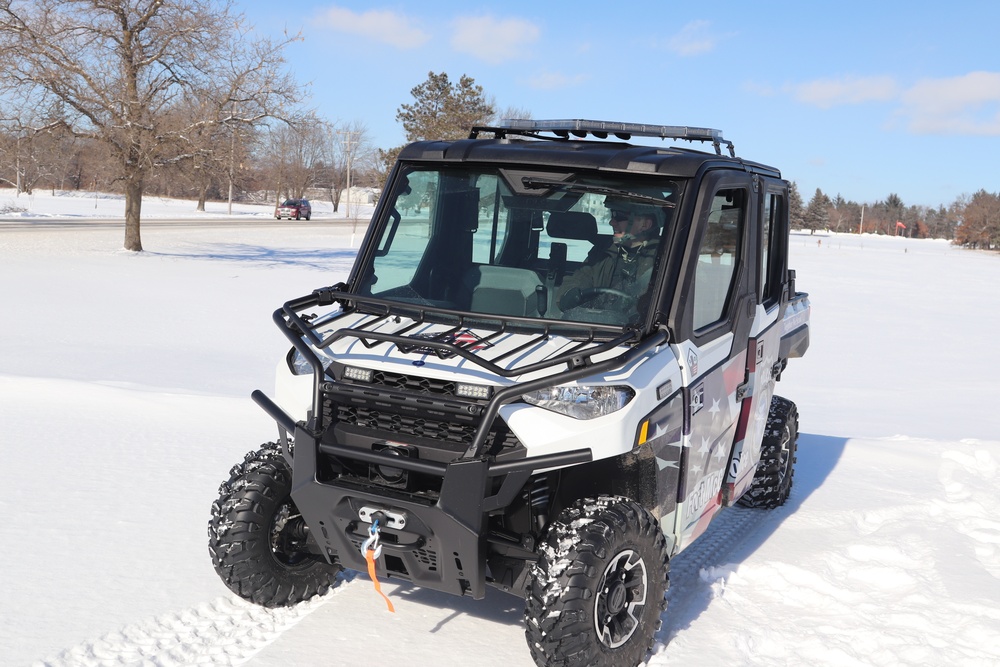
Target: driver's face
(633, 224)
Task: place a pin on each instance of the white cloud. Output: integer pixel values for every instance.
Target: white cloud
(827, 93)
(694, 39)
(757, 88)
(379, 25)
(555, 80)
(493, 40)
(967, 104)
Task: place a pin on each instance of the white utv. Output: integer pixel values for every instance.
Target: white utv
(509, 390)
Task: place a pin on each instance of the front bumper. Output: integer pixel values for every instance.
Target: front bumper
(443, 544)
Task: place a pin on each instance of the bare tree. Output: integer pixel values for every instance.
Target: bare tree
(21, 166)
(122, 68)
(980, 215)
(29, 145)
(510, 111)
(350, 155)
(293, 154)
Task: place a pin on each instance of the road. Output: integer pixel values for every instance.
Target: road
(78, 224)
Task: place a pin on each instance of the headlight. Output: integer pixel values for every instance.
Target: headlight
(298, 365)
(583, 402)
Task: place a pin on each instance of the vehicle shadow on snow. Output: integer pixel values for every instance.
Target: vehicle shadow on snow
(738, 532)
(496, 607)
(313, 258)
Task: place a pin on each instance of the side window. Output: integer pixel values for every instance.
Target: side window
(408, 235)
(718, 256)
(491, 230)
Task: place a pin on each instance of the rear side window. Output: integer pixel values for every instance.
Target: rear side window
(772, 249)
(719, 256)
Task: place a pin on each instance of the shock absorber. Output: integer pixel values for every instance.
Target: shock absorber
(538, 498)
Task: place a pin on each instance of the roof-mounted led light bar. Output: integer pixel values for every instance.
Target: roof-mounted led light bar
(600, 129)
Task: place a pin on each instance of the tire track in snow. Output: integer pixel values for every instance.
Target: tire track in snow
(226, 631)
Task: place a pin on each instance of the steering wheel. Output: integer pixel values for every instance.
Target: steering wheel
(577, 297)
(589, 293)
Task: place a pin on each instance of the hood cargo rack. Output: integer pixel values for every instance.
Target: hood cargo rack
(447, 343)
(579, 360)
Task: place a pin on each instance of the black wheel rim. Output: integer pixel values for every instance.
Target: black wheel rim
(285, 546)
(784, 455)
(621, 598)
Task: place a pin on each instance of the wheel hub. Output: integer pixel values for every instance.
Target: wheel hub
(285, 534)
(621, 599)
(616, 598)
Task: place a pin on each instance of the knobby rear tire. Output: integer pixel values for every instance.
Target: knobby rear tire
(772, 482)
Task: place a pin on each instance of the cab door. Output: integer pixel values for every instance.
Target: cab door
(714, 313)
(769, 255)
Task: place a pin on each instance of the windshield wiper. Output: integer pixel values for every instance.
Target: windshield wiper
(545, 184)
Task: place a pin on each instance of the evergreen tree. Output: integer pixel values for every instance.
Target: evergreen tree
(445, 110)
(442, 110)
(795, 208)
(817, 213)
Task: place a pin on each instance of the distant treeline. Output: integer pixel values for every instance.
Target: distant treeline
(971, 220)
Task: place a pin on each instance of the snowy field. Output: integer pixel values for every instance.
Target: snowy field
(124, 401)
(45, 204)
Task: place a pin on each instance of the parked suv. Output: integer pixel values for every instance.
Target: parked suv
(552, 365)
(293, 209)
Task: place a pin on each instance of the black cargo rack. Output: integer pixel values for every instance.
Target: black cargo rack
(579, 128)
(578, 360)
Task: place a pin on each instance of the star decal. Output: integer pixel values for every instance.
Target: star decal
(658, 430)
(661, 464)
(704, 449)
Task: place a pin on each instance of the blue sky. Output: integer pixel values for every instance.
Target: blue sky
(863, 99)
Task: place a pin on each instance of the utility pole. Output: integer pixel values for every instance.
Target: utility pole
(349, 158)
(232, 160)
(17, 166)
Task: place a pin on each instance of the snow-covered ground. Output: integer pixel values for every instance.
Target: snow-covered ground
(124, 383)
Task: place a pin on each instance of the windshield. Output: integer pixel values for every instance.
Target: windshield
(526, 243)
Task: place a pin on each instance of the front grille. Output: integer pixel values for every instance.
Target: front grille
(367, 412)
(412, 383)
(388, 422)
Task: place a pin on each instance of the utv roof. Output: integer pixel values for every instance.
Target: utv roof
(586, 144)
